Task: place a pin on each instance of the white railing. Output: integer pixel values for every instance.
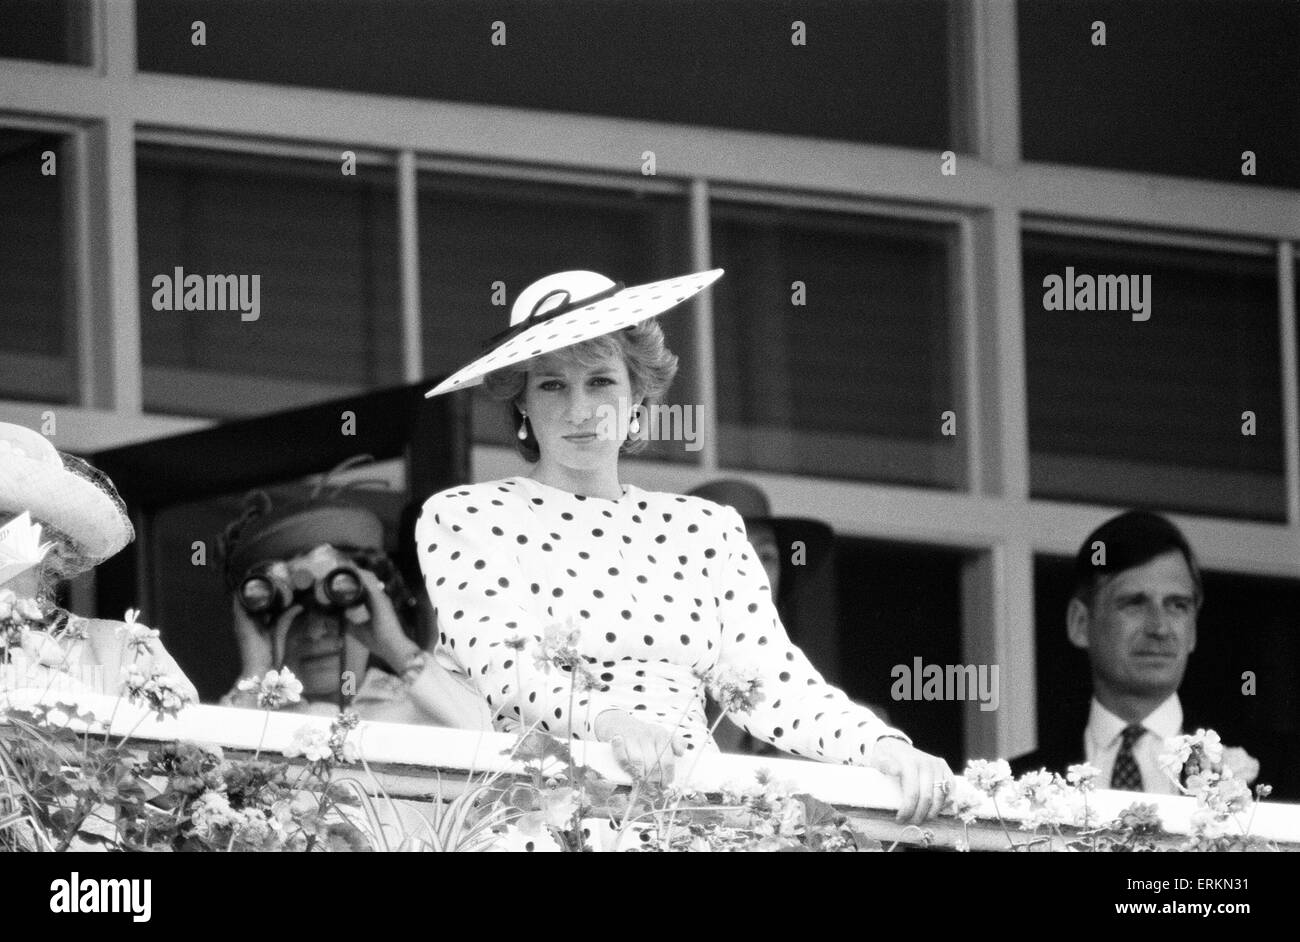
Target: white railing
(429, 763)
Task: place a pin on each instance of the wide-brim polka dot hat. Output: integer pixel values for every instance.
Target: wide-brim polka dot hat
(567, 308)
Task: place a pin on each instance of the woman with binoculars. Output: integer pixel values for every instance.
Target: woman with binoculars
(314, 592)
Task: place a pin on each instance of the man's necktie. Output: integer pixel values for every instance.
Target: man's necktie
(1126, 775)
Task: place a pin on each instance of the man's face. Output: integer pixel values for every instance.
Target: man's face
(1141, 627)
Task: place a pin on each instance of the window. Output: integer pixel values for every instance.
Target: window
(898, 603)
(1156, 412)
(38, 339)
(1247, 624)
(1179, 88)
(46, 30)
(849, 375)
(872, 70)
(315, 248)
(476, 233)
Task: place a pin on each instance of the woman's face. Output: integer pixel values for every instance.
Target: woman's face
(316, 649)
(579, 414)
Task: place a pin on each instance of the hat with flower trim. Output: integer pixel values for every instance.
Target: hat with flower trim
(570, 307)
(63, 492)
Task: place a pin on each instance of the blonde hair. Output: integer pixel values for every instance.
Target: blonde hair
(651, 367)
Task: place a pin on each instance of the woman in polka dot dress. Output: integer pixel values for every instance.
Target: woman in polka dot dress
(662, 589)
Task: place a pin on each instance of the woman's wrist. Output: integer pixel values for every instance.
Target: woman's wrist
(412, 665)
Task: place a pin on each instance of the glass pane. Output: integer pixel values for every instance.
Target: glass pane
(38, 342)
(1179, 88)
(1248, 623)
(1152, 412)
(313, 250)
(46, 30)
(851, 383)
(871, 70)
(477, 232)
(898, 603)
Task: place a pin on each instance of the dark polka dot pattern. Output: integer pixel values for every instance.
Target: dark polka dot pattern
(675, 596)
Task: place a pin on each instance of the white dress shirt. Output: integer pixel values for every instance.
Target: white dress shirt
(1103, 735)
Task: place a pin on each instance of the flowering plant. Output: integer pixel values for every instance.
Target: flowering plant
(1056, 811)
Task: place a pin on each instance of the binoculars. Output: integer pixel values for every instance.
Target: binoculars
(324, 578)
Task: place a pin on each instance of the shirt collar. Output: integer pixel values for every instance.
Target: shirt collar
(1104, 727)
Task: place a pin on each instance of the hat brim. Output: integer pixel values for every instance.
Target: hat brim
(79, 507)
(627, 307)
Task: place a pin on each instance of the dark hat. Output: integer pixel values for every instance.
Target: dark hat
(751, 503)
(265, 532)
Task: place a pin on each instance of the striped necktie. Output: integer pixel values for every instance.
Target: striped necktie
(1126, 776)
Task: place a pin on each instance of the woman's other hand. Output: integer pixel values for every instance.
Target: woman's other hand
(643, 750)
(925, 779)
(382, 632)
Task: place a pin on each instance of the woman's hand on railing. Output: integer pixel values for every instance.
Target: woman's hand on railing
(925, 779)
(643, 750)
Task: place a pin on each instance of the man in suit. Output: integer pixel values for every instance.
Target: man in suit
(1136, 599)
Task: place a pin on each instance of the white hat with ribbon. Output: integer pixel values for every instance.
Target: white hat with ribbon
(63, 492)
(570, 307)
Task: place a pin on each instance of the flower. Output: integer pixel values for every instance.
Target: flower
(311, 742)
(30, 610)
(559, 646)
(160, 692)
(1082, 775)
(964, 799)
(42, 648)
(138, 638)
(211, 812)
(988, 776)
(1139, 817)
(1209, 825)
(516, 642)
(735, 691)
(1241, 764)
(559, 806)
(276, 689)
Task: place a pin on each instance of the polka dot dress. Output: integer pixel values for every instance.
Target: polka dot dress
(662, 589)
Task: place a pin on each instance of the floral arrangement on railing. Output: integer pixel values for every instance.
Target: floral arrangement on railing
(66, 783)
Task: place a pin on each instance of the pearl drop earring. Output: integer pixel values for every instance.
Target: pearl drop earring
(523, 426)
(634, 426)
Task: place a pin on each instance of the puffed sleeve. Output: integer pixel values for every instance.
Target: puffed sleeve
(800, 712)
(472, 556)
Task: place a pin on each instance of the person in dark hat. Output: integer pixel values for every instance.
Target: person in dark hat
(778, 540)
(313, 591)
